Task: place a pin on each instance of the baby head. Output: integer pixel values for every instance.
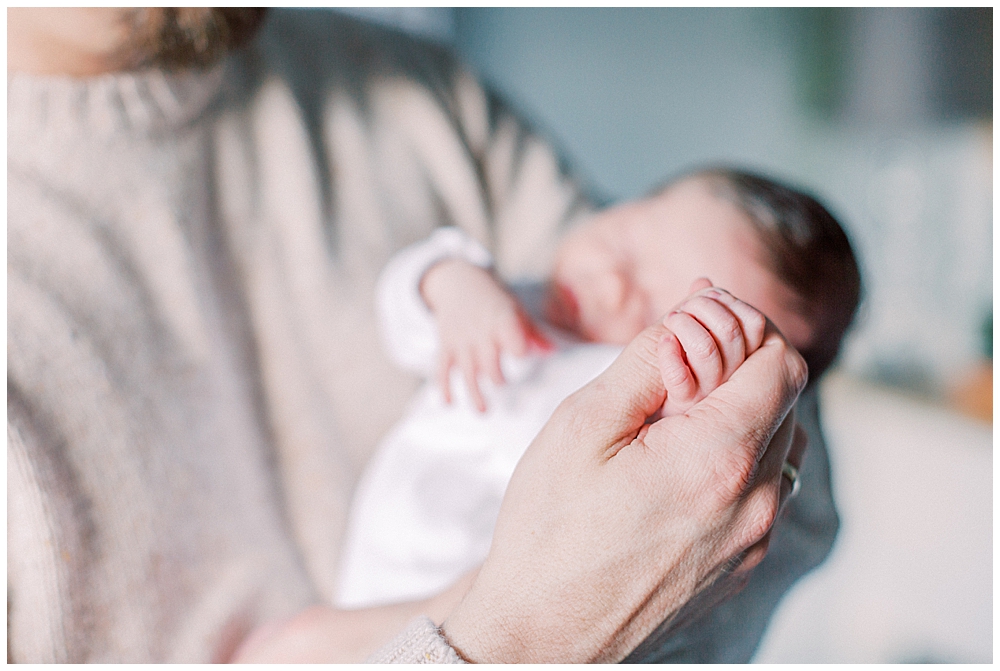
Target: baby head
(773, 247)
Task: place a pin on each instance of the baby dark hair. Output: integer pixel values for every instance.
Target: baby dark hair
(806, 248)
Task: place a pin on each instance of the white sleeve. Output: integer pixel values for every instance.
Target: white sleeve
(406, 323)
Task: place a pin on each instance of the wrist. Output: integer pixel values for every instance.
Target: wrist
(443, 279)
(478, 638)
(500, 627)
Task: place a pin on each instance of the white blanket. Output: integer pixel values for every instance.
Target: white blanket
(424, 510)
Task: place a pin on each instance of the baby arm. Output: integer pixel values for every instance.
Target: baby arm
(711, 334)
(477, 319)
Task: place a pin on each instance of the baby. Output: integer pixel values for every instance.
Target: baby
(505, 357)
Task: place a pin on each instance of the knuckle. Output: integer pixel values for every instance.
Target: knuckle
(798, 371)
(762, 513)
(754, 324)
(570, 416)
(730, 331)
(705, 301)
(756, 320)
(702, 346)
(734, 473)
(756, 554)
(676, 374)
(692, 304)
(574, 404)
(677, 315)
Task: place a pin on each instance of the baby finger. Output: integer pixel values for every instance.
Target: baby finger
(489, 360)
(679, 383)
(723, 326)
(513, 338)
(535, 337)
(752, 321)
(700, 348)
(471, 372)
(447, 361)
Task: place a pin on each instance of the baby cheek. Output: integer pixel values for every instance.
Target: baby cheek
(622, 327)
(643, 317)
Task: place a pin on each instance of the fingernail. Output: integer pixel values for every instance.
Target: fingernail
(712, 293)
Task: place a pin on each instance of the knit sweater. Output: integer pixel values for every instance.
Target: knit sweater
(194, 375)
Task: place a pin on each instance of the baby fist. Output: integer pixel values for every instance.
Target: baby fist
(710, 334)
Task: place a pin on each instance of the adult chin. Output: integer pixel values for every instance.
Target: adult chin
(89, 41)
(177, 38)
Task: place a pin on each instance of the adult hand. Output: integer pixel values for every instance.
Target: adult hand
(610, 525)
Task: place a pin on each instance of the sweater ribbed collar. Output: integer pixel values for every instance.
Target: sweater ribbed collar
(143, 103)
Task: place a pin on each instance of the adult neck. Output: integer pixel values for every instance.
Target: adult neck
(73, 41)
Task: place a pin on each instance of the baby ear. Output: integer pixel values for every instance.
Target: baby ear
(699, 284)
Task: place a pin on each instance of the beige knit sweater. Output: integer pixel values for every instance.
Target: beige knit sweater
(194, 377)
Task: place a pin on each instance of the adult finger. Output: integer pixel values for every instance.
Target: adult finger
(772, 488)
(752, 556)
(800, 441)
(612, 408)
(761, 504)
(748, 409)
(759, 394)
(775, 454)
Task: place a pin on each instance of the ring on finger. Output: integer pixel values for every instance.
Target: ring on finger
(734, 563)
(792, 473)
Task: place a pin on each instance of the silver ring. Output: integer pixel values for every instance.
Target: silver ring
(734, 563)
(792, 474)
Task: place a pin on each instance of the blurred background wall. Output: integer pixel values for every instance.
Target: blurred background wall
(884, 114)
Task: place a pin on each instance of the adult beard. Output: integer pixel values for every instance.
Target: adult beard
(177, 38)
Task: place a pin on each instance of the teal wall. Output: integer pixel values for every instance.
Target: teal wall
(884, 113)
(847, 103)
(635, 95)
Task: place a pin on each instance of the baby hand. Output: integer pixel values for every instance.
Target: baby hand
(711, 334)
(477, 319)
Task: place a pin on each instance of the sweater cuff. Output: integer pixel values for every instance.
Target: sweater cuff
(420, 643)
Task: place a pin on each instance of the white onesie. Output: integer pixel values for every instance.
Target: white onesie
(424, 509)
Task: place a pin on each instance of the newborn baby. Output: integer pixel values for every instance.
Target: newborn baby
(505, 357)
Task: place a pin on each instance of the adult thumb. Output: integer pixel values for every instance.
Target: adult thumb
(614, 406)
(757, 397)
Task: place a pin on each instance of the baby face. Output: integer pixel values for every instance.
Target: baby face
(631, 264)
